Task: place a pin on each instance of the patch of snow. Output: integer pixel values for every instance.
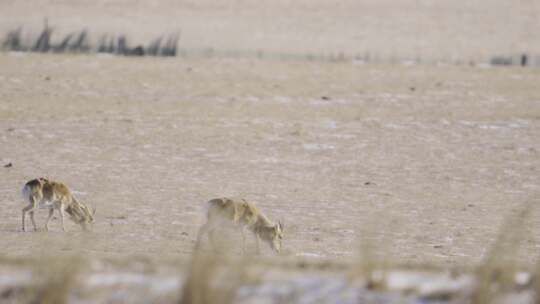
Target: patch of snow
(441, 286)
(318, 147)
(523, 278)
(15, 279)
(110, 279)
(308, 255)
(283, 99)
(17, 54)
(330, 124)
(494, 125)
(393, 126)
(78, 192)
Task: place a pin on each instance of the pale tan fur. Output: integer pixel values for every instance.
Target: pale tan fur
(44, 193)
(241, 214)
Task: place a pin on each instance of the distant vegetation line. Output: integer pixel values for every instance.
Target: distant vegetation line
(167, 46)
(80, 42)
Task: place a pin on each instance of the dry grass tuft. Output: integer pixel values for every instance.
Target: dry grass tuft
(215, 278)
(56, 279)
(371, 265)
(536, 283)
(55, 275)
(497, 272)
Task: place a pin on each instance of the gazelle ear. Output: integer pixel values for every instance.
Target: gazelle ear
(280, 224)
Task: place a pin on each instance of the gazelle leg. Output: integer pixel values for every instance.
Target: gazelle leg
(257, 240)
(243, 239)
(62, 216)
(30, 208)
(51, 211)
(25, 209)
(32, 219)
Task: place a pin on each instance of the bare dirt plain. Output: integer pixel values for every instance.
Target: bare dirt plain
(424, 162)
(364, 163)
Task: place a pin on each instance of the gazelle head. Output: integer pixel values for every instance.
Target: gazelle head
(273, 236)
(85, 218)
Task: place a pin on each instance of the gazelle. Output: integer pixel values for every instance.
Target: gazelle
(43, 193)
(224, 212)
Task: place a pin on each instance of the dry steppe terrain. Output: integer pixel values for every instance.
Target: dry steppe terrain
(414, 155)
(424, 162)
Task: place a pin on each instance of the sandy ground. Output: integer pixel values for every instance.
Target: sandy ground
(429, 30)
(421, 162)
